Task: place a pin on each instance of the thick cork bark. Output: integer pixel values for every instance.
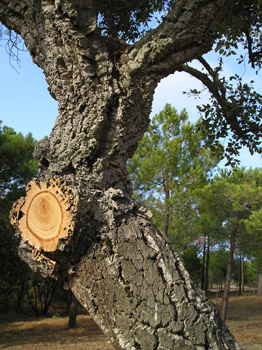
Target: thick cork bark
(86, 228)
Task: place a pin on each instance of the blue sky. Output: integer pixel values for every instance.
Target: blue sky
(26, 105)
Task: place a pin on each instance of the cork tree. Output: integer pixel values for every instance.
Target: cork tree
(79, 221)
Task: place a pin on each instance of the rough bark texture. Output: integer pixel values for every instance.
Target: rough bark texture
(142, 297)
(117, 264)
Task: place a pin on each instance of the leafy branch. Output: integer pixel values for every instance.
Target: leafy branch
(234, 110)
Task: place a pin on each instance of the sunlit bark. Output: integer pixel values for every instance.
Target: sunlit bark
(117, 264)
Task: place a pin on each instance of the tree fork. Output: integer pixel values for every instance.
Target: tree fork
(118, 265)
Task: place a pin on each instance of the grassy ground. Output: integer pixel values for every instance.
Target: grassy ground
(20, 332)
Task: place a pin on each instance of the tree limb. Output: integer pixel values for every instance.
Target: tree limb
(232, 107)
(50, 30)
(215, 86)
(185, 33)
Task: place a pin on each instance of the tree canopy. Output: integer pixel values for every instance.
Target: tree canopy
(104, 87)
(129, 20)
(222, 214)
(171, 162)
(227, 207)
(17, 165)
(234, 110)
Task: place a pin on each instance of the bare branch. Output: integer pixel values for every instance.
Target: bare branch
(13, 45)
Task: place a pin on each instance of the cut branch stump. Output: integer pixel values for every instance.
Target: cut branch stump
(46, 214)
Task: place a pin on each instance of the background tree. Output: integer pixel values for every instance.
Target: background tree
(20, 288)
(251, 274)
(17, 162)
(192, 261)
(170, 163)
(104, 87)
(218, 267)
(237, 193)
(253, 226)
(209, 226)
(40, 293)
(16, 168)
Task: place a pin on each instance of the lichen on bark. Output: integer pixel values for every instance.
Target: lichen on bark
(118, 265)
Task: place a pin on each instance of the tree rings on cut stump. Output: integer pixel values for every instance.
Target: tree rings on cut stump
(46, 214)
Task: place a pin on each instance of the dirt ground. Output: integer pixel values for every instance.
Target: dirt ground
(245, 321)
(20, 332)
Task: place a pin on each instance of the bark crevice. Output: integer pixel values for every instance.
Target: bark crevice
(118, 265)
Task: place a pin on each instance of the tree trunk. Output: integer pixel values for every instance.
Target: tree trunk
(98, 239)
(243, 274)
(73, 303)
(203, 264)
(259, 286)
(226, 292)
(166, 209)
(207, 264)
(132, 283)
(240, 276)
(20, 297)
